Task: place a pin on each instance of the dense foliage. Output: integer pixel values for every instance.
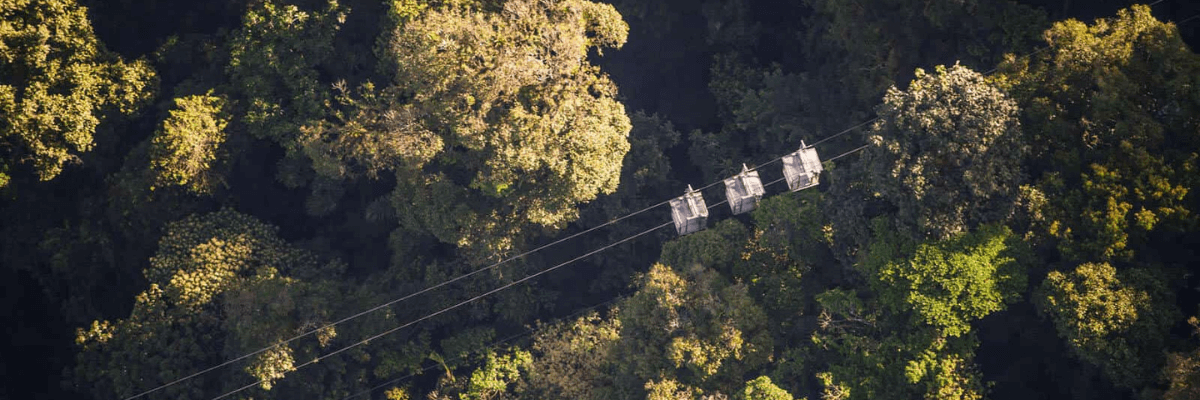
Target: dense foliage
(267, 168)
(57, 82)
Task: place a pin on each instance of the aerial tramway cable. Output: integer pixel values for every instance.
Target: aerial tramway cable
(527, 332)
(467, 275)
(506, 286)
(460, 304)
(493, 345)
(389, 303)
(446, 282)
(512, 258)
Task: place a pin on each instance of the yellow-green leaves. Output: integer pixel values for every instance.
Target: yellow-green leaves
(913, 338)
(520, 115)
(186, 146)
(401, 11)
(574, 359)
(762, 388)
(56, 84)
(670, 389)
(606, 27)
(271, 366)
(1108, 111)
(1183, 371)
(375, 134)
(872, 360)
(692, 322)
(1092, 301)
(1115, 320)
(498, 372)
(221, 281)
(272, 67)
(950, 283)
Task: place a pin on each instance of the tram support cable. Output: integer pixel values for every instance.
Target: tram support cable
(453, 307)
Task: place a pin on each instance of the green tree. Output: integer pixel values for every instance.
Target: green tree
(527, 127)
(186, 149)
(692, 322)
(669, 389)
(950, 283)
(372, 136)
(716, 248)
(497, 373)
(1109, 109)
(221, 281)
(913, 338)
(273, 80)
(872, 358)
(57, 83)
(844, 57)
(761, 388)
(790, 238)
(498, 376)
(646, 177)
(272, 70)
(886, 38)
(1117, 321)
(1182, 371)
(572, 360)
(796, 224)
(946, 152)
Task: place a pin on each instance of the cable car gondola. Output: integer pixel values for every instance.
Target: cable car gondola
(689, 212)
(802, 168)
(744, 191)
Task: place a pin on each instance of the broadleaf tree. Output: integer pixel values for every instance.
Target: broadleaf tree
(514, 127)
(222, 281)
(1116, 320)
(57, 84)
(187, 148)
(1109, 109)
(946, 152)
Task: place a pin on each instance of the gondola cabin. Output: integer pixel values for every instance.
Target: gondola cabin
(689, 212)
(802, 168)
(744, 191)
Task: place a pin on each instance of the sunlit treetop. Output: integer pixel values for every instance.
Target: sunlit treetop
(1116, 320)
(946, 152)
(186, 148)
(57, 83)
(272, 67)
(693, 326)
(1110, 112)
(221, 283)
(948, 284)
(762, 388)
(493, 107)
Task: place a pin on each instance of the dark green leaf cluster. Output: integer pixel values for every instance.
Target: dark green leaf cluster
(945, 151)
(219, 281)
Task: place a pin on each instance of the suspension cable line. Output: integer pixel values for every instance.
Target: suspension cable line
(491, 346)
(610, 222)
(504, 261)
(845, 131)
(460, 304)
(442, 284)
(391, 302)
(529, 331)
(458, 278)
(860, 148)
